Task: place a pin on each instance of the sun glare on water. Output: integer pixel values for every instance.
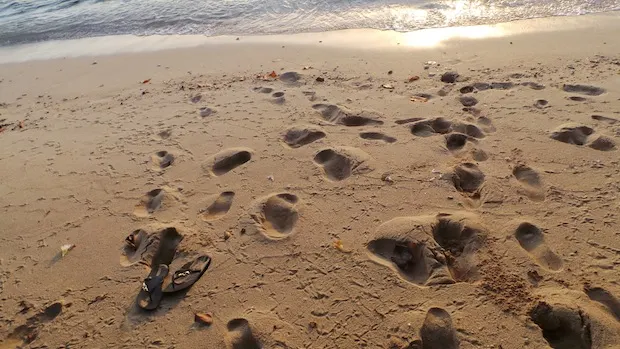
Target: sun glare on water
(449, 15)
(461, 8)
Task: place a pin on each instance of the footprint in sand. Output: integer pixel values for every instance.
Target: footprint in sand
(300, 135)
(340, 163)
(468, 101)
(604, 297)
(162, 159)
(602, 143)
(260, 329)
(150, 246)
(532, 240)
(468, 129)
(206, 111)
(261, 89)
(275, 215)
(150, 203)
(533, 85)
(195, 99)
(530, 181)
(229, 159)
(451, 233)
(341, 116)
(407, 121)
(605, 119)
(437, 331)
(311, 95)
(431, 127)
(574, 320)
(239, 335)
(219, 206)
(467, 178)
(472, 110)
(587, 90)
(417, 248)
(502, 85)
(580, 135)
(25, 334)
(457, 141)
(487, 124)
(377, 136)
(290, 77)
(169, 240)
(572, 134)
(139, 247)
(461, 235)
(278, 98)
(450, 77)
(484, 121)
(541, 104)
(479, 155)
(440, 125)
(577, 98)
(165, 134)
(483, 86)
(563, 326)
(466, 89)
(424, 96)
(403, 245)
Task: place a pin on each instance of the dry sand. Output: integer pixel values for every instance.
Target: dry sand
(362, 210)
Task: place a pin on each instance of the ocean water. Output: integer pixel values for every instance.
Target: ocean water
(23, 21)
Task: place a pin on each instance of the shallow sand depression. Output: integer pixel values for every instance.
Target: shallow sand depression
(343, 203)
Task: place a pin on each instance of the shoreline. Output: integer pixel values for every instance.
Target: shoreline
(347, 38)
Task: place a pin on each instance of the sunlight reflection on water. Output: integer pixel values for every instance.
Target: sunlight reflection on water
(29, 21)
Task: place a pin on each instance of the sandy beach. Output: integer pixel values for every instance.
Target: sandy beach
(357, 189)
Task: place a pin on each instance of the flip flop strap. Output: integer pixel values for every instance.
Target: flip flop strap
(131, 240)
(151, 283)
(179, 274)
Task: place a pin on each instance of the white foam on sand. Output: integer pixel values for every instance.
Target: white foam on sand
(350, 38)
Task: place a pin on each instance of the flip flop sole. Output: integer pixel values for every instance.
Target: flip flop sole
(151, 294)
(193, 270)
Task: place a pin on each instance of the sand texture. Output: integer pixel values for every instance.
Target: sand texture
(460, 196)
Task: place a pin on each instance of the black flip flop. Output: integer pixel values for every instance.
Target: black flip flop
(188, 274)
(151, 293)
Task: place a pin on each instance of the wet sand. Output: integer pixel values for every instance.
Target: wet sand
(458, 195)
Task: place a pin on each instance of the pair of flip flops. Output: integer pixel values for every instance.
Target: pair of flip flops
(156, 285)
(157, 282)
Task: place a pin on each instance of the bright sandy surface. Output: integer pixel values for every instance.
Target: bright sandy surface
(370, 209)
